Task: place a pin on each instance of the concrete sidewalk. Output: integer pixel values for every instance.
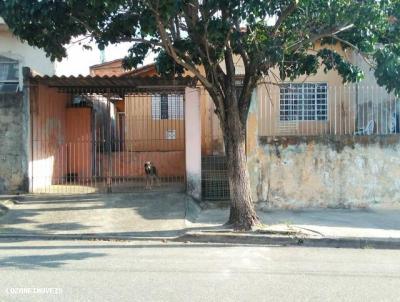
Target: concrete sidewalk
(378, 224)
(126, 215)
(174, 216)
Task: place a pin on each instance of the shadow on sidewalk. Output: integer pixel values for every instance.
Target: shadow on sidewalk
(48, 261)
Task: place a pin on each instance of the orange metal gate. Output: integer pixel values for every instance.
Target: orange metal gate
(84, 143)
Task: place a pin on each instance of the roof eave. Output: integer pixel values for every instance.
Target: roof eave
(97, 84)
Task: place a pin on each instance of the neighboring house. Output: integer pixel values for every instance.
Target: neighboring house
(14, 107)
(111, 68)
(114, 68)
(14, 55)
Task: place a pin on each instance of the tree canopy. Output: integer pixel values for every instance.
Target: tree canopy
(265, 33)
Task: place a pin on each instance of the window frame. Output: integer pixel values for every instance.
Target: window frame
(173, 109)
(10, 61)
(303, 113)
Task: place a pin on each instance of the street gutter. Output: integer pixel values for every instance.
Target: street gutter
(251, 238)
(232, 238)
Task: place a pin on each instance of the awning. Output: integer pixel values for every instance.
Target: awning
(113, 84)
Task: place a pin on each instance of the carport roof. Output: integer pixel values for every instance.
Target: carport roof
(97, 84)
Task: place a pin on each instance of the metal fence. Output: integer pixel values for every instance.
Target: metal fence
(83, 143)
(302, 109)
(215, 181)
(214, 173)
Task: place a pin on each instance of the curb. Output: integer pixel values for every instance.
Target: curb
(83, 237)
(229, 238)
(256, 239)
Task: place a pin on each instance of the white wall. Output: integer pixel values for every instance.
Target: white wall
(193, 142)
(12, 47)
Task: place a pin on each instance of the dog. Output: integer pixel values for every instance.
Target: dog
(151, 174)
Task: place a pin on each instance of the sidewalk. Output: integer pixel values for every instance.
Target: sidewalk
(376, 223)
(342, 227)
(128, 215)
(176, 217)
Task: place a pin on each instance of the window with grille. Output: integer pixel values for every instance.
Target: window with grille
(167, 107)
(304, 102)
(8, 75)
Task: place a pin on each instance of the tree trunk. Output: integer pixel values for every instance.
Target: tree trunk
(242, 213)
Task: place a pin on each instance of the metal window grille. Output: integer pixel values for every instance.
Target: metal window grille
(304, 102)
(167, 106)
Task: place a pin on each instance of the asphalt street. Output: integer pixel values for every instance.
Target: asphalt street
(158, 271)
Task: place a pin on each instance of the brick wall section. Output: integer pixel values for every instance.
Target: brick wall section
(14, 144)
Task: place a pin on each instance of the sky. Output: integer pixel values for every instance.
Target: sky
(80, 59)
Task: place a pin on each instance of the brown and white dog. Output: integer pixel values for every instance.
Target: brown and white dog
(151, 174)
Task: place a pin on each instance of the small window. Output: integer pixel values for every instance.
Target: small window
(167, 107)
(9, 81)
(304, 102)
(170, 134)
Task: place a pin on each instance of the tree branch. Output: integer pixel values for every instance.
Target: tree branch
(88, 28)
(169, 48)
(285, 13)
(363, 54)
(319, 35)
(214, 73)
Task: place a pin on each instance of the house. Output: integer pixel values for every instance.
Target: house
(14, 107)
(309, 105)
(16, 54)
(298, 119)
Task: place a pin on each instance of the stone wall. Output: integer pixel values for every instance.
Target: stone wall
(331, 171)
(14, 143)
